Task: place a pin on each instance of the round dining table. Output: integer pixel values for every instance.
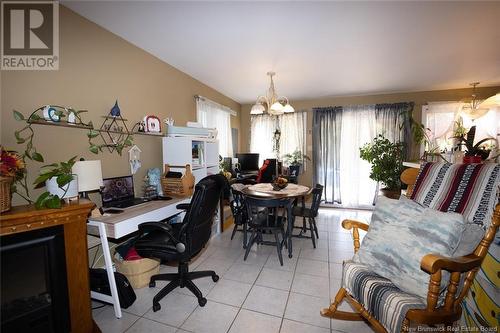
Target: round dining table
(290, 193)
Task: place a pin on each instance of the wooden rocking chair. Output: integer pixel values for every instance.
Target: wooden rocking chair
(433, 314)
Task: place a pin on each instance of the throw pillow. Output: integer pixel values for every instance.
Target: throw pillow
(400, 234)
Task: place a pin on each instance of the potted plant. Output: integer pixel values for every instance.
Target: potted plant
(60, 183)
(386, 159)
(12, 169)
(295, 161)
(474, 153)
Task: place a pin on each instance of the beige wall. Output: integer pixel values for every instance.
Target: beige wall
(419, 98)
(97, 67)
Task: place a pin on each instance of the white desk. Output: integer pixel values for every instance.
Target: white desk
(123, 224)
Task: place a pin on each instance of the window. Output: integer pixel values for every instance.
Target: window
(214, 115)
(440, 117)
(293, 134)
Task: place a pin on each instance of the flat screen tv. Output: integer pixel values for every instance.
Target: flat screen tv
(248, 161)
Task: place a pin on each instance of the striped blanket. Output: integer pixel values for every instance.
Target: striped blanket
(379, 296)
(468, 189)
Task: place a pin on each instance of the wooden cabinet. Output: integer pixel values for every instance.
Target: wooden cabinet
(73, 218)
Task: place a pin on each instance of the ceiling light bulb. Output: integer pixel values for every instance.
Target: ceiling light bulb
(277, 107)
(288, 108)
(257, 109)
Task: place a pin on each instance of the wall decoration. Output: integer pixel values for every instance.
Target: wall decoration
(115, 110)
(114, 132)
(152, 124)
(51, 114)
(134, 158)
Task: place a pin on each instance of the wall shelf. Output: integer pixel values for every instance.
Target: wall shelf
(87, 127)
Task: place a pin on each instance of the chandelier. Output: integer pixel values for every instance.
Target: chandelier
(271, 103)
(475, 108)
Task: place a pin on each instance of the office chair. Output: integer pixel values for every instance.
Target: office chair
(181, 242)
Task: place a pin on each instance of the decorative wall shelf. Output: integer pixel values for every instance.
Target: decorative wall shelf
(79, 126)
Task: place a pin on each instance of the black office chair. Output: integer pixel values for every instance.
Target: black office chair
(181, 242)
(310, 214)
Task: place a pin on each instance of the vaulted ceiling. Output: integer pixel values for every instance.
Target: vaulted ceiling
(317, 48)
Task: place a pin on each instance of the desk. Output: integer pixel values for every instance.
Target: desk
(291, 192)
(123, 224)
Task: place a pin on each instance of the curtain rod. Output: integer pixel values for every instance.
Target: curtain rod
(225, 108)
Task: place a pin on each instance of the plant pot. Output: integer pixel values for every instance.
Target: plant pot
(5, 195)
(71, 188)
(472, 159)
(389, 193)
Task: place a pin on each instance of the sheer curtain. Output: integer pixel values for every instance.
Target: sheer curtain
(359, 126)
(293, 130)
(327, 126)
(213, 115)
(293, 133)
(261, 136)
(338, 133)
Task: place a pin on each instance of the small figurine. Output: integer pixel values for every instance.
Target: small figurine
(169, 121)
(115, 110)
(141, 127)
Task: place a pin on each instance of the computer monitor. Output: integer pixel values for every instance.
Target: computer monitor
(117, 189)
(248, 161)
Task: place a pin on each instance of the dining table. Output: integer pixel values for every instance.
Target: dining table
(290, 193)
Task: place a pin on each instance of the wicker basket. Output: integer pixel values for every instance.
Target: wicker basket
(5, 195)
(178, 187)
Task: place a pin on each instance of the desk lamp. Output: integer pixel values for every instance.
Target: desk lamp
(89, 176)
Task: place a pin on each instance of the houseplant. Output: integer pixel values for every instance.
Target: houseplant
(295, 161)
(12, 169)
(474, 153)
(60, 183)
(386, 159)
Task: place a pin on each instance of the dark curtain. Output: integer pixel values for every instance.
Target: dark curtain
(327, 126)
(393, 121)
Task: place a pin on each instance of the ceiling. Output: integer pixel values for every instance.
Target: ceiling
(317, 48)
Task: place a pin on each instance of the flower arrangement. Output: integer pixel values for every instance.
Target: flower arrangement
(12, 169)
(11, 164)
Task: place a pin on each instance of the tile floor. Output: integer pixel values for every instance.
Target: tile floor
(256, 295)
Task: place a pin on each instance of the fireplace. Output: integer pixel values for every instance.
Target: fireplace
(34, 293)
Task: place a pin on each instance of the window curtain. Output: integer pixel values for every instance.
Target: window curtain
(214, 115)
(338, 134)
(293, 134)
(327, 126)
(261, 136)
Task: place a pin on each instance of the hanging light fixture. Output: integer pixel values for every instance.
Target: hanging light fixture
(271, 103)
(474, 109)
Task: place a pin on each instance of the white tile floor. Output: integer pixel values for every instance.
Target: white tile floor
(256, 295)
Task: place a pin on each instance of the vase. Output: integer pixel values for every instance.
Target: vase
(5, 195)
(472, 159)
(71, 189)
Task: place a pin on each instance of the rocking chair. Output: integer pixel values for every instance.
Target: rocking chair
(433, 311)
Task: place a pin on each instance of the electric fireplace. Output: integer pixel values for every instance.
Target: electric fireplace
(34, 291)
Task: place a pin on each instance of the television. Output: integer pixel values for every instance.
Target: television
(248, 161)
